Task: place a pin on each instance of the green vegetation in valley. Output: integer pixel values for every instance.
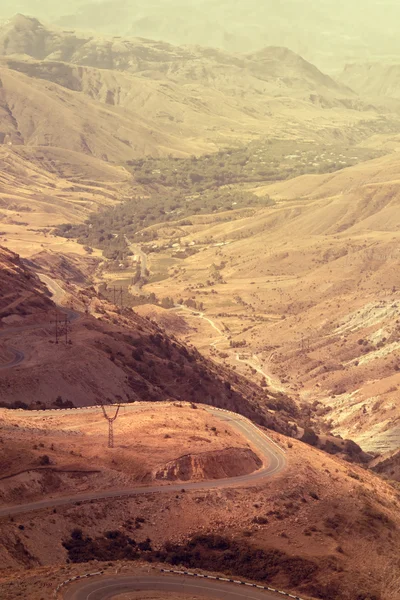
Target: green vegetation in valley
(107, 229)
(266, 159)
(181, 188)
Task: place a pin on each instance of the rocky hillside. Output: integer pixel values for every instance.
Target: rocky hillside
(309, 287)
(41, 187)
(114, 355)
(22, 292)
(272, 66)
(297, 531)
(62, 118)
(388, 465)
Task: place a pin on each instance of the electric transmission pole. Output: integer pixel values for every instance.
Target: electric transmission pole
(66, 329)
(57, 328)
(62, 328)
(110, 425)
(118, 295)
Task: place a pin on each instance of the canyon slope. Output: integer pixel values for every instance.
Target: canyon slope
(171, 259)
(307, 291)
(104, 352)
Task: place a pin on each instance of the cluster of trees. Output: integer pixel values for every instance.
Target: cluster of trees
(183, 187)
(214, 552)
(192, 303)
(265, 159)
(107, 228)
(113, 545)
(211, 552)
(114, 246)
(238, 344)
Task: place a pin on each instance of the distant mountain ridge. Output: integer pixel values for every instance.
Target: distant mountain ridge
(117, 99)
(326, 32)
(27, 35)
(374, 80)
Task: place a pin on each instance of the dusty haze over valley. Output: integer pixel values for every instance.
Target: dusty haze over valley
(199, 299)
(328, 32)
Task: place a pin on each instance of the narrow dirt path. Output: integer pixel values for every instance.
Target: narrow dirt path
(253, 362)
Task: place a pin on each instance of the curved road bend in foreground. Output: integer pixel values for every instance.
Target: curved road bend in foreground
(271, 454)
(109, 587)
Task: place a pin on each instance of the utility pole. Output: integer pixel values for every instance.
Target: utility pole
(110, 424)
(62, 328)
(118, 295)
(57, 327)
(66, 328)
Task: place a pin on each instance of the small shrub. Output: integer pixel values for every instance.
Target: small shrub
(76, 534)
(260, 520)
(310, 437)
(112, 535)
(145, 546)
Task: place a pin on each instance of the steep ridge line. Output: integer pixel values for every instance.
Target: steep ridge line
(57, 293)
(272, 456)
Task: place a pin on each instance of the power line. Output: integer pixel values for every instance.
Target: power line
(62, 328)
(110, 424)
(57, 330)
(118, 295)
(66, 326)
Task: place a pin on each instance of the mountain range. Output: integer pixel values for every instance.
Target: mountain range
(117, 99)
(206, 220)
(325, 32)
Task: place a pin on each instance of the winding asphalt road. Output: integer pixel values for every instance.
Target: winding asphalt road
(272, 456)
(109, 587)
(273, 459)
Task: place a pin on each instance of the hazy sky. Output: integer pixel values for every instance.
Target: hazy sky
(378, 12)
(327, 32)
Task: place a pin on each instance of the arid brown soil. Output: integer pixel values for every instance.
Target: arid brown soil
(21, 290)
(60, 452)
(110, 354)
(306, 292)
(298, 327)
(320, 509)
